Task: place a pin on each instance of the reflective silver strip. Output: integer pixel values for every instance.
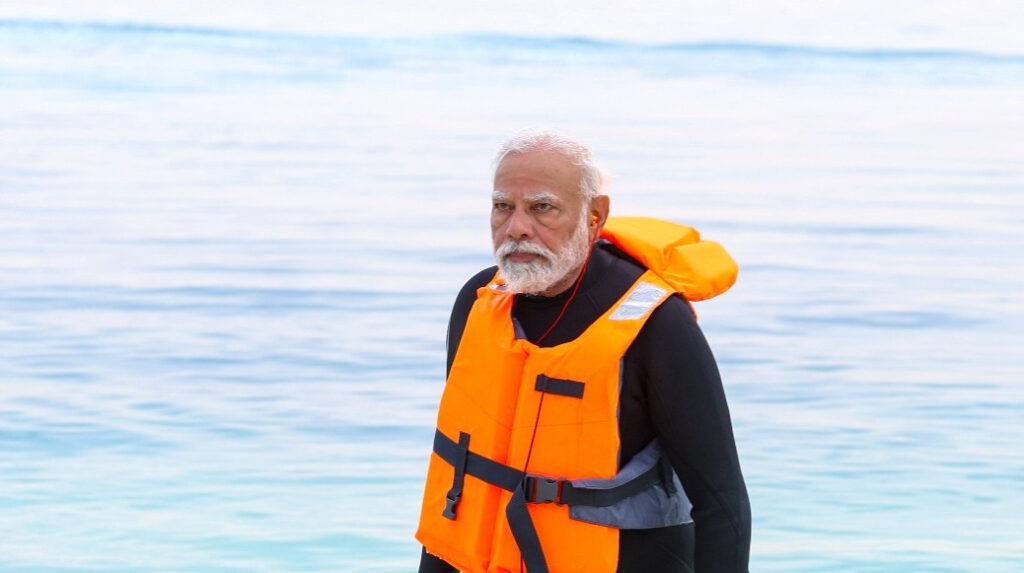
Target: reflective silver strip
(641, 300)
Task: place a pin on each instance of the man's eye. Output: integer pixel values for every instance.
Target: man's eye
(543, 207)
(499, 206)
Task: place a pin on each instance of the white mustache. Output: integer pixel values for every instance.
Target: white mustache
(510, 247)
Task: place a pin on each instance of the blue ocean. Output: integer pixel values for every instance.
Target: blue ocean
(228, 254)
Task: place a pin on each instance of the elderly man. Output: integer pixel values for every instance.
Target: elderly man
(583, 425)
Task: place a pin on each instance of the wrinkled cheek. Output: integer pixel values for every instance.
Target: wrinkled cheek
(498, 225)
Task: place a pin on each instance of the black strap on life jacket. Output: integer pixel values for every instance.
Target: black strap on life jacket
(455, 493)
(524, 532)
(570, 388)
(527, 488)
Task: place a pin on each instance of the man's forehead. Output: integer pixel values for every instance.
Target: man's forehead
(540, 164)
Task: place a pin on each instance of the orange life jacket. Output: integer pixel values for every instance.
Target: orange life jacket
(512, 482)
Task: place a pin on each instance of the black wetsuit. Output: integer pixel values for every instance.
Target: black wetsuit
(671, 389)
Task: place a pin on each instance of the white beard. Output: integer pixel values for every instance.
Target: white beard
(545, 272)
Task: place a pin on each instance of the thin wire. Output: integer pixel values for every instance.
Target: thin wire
(575, 289)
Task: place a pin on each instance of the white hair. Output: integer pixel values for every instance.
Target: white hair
(592, 180)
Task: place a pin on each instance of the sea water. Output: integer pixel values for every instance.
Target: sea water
(227, 259)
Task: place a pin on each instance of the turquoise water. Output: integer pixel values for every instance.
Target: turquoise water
(227, 259)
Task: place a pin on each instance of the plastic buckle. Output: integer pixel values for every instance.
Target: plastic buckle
(449, 507)
(543, 490)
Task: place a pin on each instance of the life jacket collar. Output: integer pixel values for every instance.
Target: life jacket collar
(697, 269)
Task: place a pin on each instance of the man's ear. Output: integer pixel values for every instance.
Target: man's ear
(598, 215)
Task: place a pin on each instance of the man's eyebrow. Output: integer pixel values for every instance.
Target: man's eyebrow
(544, 196)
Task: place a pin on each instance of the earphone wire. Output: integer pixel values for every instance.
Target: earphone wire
(540, 403)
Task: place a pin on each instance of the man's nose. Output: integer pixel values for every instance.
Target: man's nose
(519, 225)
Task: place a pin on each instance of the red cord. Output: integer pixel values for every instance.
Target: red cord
(540, 404)
(572, 295)
(579, 280)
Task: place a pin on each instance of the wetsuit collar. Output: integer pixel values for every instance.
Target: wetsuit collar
(598, 264)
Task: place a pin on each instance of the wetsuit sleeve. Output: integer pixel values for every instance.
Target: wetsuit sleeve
(456, 325)
(690, 416)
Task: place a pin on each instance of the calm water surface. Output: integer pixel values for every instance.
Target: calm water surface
(227, 260)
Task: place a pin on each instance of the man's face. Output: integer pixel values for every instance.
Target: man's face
(539, 221)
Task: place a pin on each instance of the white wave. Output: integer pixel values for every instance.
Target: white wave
(984, 25)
